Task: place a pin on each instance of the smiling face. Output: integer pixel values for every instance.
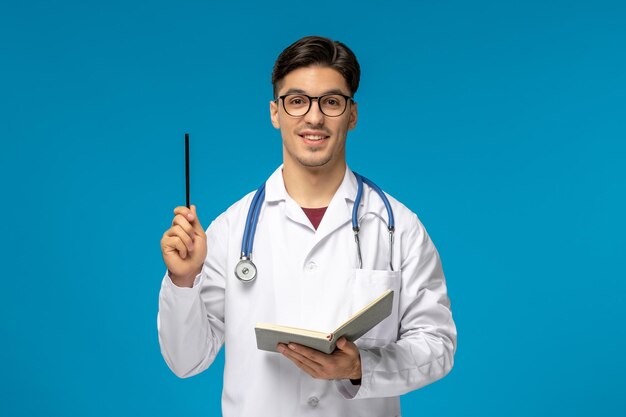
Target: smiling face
(313, 141)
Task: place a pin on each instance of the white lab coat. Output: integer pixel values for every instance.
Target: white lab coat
(310, 279)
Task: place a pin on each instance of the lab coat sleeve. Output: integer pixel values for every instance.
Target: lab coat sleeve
(190, 321)
(424, 351)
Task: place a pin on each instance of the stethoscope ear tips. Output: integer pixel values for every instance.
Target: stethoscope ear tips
(245, 270)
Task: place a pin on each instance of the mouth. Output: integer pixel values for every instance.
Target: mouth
(313, 139)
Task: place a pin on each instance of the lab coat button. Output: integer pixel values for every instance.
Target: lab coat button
(313, 401)
(311, 266)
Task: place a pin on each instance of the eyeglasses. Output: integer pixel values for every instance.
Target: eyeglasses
(332, 105)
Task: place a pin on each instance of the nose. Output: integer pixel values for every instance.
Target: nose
(314, 116)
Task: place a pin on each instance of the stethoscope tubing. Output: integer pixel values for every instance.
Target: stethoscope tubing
(355, 214)
(252, 220)
(391, 223)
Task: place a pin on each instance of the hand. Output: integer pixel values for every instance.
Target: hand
(184, 246)
(343, 363)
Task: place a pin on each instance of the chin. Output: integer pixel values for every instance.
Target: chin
(313, 162)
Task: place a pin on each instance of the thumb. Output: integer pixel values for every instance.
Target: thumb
(343, 343)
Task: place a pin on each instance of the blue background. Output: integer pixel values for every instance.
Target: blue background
(502, 124)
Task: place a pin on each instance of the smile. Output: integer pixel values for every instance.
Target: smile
(314, 138)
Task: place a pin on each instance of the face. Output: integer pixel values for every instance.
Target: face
(314, 140)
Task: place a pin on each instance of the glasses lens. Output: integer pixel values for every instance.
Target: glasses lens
(296, 105)
(333, 105)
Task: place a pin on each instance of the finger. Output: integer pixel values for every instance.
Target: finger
(180, 220)
(304, 367)
(177, 231)
(290, 352)
(175, 243)
(186, 212)
(192, 217)
(345, 345)
(300, 361)
(312, 355)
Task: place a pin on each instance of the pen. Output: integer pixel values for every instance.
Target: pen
(187, 166)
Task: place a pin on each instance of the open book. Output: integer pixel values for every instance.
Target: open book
(270, 335)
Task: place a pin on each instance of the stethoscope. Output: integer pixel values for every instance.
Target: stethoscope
(246, 271)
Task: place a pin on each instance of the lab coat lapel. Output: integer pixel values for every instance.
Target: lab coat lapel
(275, 192)
(339, 210)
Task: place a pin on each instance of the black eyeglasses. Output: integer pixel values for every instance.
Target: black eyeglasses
(332, 105)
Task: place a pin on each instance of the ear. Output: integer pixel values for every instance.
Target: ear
(354, 115)
(274, 114)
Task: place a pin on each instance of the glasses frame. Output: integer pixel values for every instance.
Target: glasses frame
(319, 105)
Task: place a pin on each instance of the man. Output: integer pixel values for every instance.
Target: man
(310, 274)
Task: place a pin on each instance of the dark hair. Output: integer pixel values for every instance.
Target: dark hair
(315, 50)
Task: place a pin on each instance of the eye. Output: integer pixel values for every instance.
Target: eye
(333, 101)
(296, 100)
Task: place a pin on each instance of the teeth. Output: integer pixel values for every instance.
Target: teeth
(313, 137)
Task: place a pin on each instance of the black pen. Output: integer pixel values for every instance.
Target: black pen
(187, 166)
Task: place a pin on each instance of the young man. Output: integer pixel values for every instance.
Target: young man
(310, 273)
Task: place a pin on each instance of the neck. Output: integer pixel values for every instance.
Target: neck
(312, 187)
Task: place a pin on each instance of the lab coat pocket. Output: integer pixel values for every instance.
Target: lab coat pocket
(367, 286)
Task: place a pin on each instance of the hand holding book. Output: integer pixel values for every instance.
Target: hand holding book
(343, 363)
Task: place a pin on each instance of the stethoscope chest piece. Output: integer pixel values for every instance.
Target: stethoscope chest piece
(245, 270)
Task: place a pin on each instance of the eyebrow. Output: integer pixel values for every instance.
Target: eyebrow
(300, 91)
